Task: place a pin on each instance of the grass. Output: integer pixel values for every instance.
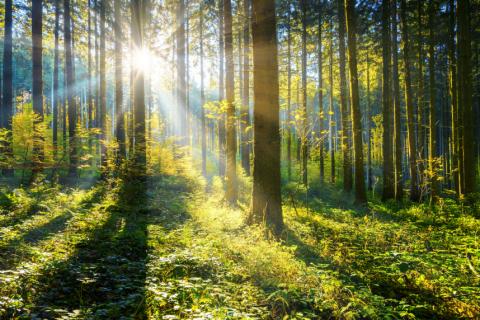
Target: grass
(179, 253)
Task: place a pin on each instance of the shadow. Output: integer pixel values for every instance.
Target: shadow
(105, 276)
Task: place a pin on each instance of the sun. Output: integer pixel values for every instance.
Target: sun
(142, 60)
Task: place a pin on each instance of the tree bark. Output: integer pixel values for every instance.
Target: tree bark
(321, 114)
(231, 171)
(388, 170)
(331, 112)
(221, 94)
(7, 102)
(119, 108)
(37, 83)
(245, 120)
(432, 113)
(266, 196)
(202, 98)
(414, 188)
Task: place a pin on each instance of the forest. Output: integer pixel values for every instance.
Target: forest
(240, 159)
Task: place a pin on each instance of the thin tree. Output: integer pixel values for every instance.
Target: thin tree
(119, 108)
(360, 192)
(388, 170)
(103, 86)
(221, 92)
(140, 150)
(7, 102)
(420, 93)
(56, 66)
(320, 95)
(304, 112)
(231, 171)
(266, 196)
(202, 96)
(245, 112)
(181, 75)
(397, 105)
(289, 91)
(37, 82)
(465, 95)
(432, 115)
(331, 112)
(414, 188)
(346, 148)
(70, 89)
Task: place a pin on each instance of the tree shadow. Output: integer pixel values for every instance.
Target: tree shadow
(105, 276)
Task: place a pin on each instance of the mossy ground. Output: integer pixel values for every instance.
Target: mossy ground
(179, 253)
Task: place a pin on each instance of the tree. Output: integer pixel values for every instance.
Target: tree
(289, 91)
(414, 189)
(181, 84)
(70, 89)
(231, 171)
(266, 196)
(320, 95)
(331, 111)
(119, 109)
(397, 105)
(221, 91)
(465, 95)
(346, 144)
(420, 92)
(304, 112)
(7, 103)
(432, 117)
(140, 148)
(245, 112)
(388, 171)
(360, 192)
(202, 97)
(56, 63)
(103, 85)
(37, 81)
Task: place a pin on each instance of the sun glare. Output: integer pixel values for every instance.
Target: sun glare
(142, 60)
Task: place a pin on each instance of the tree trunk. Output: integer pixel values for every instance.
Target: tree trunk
(56, 65)
(304, 112)
(231, 171)
(202, 98)
(397, 104)
(140, 152)
(331, 112)
(420, 95)
(37, 84)
(321, 115)
(289, 93)
(414, 190)
(346, 145)
(89, 77)
(266, 196)
(245, 121)
(181, 85)
(119, 108)
(103, 87)
(465, 94)
(432, 115)
(388, 170)
(7, 103)
(360, 192)
(221, 94)
(70, 89)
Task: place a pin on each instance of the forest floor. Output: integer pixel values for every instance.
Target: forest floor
(91, 254)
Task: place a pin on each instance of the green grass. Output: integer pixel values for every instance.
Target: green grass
(179, 253)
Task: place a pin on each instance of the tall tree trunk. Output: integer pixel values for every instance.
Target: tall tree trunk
(56, 65)
(119, 108)
(331, 112)
(245, 121)
(221, 94)
(140, 149)
(432, 113)
(420, 94)
(202, 97)
(37, 83)
(360, 192)
(89, 76)
(414, 188)
(369, 130)
(70, 89)
(465, 94)
(388, 170)
(266, 196)
(397, 104)
(231, 171)
(304, 112)
(103, 86)
(321, 115)
(7, 103)
(346, 144)
(289, 93)
(452, 83)
(181, 85)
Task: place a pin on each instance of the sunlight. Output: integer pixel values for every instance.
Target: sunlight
(142, 59)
